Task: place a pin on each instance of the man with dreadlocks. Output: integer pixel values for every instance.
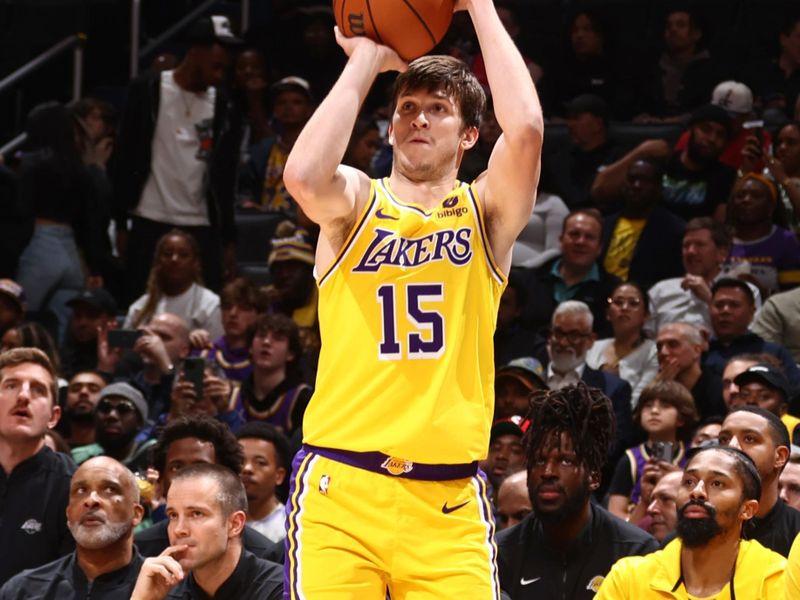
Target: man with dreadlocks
(567, 545)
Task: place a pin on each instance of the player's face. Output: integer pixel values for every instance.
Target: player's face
(758, 394)
(428, 135)
(730, 390)
(513, 503)
(789, 485)
(570, 338)
(751, 203)
(787, 147)
(660, 417)
(84, 322)
(626, 309)
(731, 312)
(82, 393)
(581, 242)
(26, 403)
(292, 108)
(511, 397)
(196, 520)
(183, 452)
(177, 264)
(270, 350)
(662, 509)
(701, 256)
(673, 347)
(706, 433)
(558, 483)
(506, 456)
(751, 434)
(261, 471)
(237, 319)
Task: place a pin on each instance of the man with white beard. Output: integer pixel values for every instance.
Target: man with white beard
(568, 341)
(103, 509)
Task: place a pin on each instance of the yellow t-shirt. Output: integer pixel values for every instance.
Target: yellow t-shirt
(274, 196)
(407, 313)
(620, 249)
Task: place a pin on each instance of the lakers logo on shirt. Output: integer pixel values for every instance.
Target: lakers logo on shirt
(595, 583)
(389, 249)
(397, 466)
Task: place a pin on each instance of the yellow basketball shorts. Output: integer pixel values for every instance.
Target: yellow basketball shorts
(356, 532)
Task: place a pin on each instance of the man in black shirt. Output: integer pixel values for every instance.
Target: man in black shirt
(567, 545)
(764, 438)
(34, 482)
(207, 505)
(102, 512)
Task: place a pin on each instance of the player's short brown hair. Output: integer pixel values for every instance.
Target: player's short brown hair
(673, 394)
(433, 73)
(20, 356)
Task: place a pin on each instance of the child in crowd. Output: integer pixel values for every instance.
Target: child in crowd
(667, 414)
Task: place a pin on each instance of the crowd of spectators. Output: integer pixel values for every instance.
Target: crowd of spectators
(647, 342)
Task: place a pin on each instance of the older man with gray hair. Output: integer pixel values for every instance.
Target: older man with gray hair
(568, 341)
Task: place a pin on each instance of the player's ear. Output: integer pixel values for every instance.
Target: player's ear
(390, 134)
(469, 138)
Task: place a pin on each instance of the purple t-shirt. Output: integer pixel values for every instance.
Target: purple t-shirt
(774, 259)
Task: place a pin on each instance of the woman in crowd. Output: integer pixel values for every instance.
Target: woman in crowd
(629, 354)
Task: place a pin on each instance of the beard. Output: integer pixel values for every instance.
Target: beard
(95, 538)
(80, 414)
(564, 361)
(571, 507)
(697, 532)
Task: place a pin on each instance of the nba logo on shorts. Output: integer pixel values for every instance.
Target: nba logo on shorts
(397, 466)
(324, 483)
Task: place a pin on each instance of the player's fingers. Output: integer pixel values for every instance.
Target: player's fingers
(170, 550)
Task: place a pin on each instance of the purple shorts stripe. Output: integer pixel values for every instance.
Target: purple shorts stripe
(488, 520)
(375, 461)
(301, 466)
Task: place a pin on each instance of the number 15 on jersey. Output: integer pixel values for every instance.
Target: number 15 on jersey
(428, 339)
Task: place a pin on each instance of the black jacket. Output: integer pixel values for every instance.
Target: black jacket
(133, 154)
(658, 253)
(33, 519)
(63, 579)
(253, 578)
(777, 530)
(530, 568)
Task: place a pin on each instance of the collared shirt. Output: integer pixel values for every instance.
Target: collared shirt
(562, 291)
(529, 568)
(253, 578)
(63, 579)
(556, 381)
(33, 520)
(758, 574)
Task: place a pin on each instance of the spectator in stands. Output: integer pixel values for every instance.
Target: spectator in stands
(365, 141)
(513, 384)
(511, 338)
(642, 242)
(191, 440)
(629, 354)
(120, 414)
(732, 308)
(92, 309)
(662, 511)
(513, 500)
(266, 465)
(696, 183)
(775, 321)
(103, 509)
(707, 432)
(736, 365)
(175, 286)
(789, 482)
(784, 168)
(680, 348)
(35, 480)
(685, 73)
(34, 335)
(249, 96)
(538, 241)
(575, 275)
(83, 393)
(565, 547)
(169, 171)
(761, 435)
(705, 248)
(210, 559)
(772, 252)
(765, 386)
(667, 415)
(506, 455)
(718, 495)
(60, 195)
(241, 302)
(262, 185)
(570, 338)
(12, 305)
(570, 171)
(476, 159)
(274, 392)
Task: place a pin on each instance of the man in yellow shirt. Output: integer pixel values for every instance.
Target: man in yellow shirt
(718, 493)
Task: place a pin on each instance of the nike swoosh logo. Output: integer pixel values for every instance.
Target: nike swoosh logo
(524, 581)
(382, 215)
(448, 509)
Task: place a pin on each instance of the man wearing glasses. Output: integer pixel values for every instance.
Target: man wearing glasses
(119, 416)
(568, 341)
(34, 481)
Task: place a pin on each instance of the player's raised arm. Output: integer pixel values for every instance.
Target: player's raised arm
(508, 188)
(325, 190)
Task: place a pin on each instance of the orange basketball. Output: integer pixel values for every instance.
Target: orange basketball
(410, 27)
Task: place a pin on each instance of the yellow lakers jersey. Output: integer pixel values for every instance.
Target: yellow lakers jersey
(407, 314)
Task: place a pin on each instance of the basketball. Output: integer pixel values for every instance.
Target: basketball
(410, 27)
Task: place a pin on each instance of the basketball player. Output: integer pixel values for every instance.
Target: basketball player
(410, 269)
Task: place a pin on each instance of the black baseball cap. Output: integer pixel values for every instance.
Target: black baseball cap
(97, 298)
(767, 375)
(713, 113)
(211, 29)
(587, 103)
(515, 425)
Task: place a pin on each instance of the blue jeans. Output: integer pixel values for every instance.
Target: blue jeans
(51, 273)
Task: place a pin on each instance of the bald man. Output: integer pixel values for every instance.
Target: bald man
(103, 509)
(513, 501)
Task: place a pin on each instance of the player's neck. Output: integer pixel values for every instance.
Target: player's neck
(707, 569)
(211, 576)
(94, 563)
(264, 381)
(769, 498)
(427, 192)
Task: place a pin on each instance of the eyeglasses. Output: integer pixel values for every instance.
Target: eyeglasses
(573, 337)
(623, 302)
(123, 407)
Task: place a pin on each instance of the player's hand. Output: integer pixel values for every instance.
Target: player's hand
(698, 286)
(152, 349)
(654, 148)
(217, 390)
(776, 169)
(183, 396)
(752, 153)
(107, 357)
(668, 370)
(200, 339)
(387, 58)
(159, 574)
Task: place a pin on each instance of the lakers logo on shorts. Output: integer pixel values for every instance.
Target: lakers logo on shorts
(397, 466)
(595, 583)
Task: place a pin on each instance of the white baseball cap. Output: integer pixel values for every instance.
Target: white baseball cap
(733, 96)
